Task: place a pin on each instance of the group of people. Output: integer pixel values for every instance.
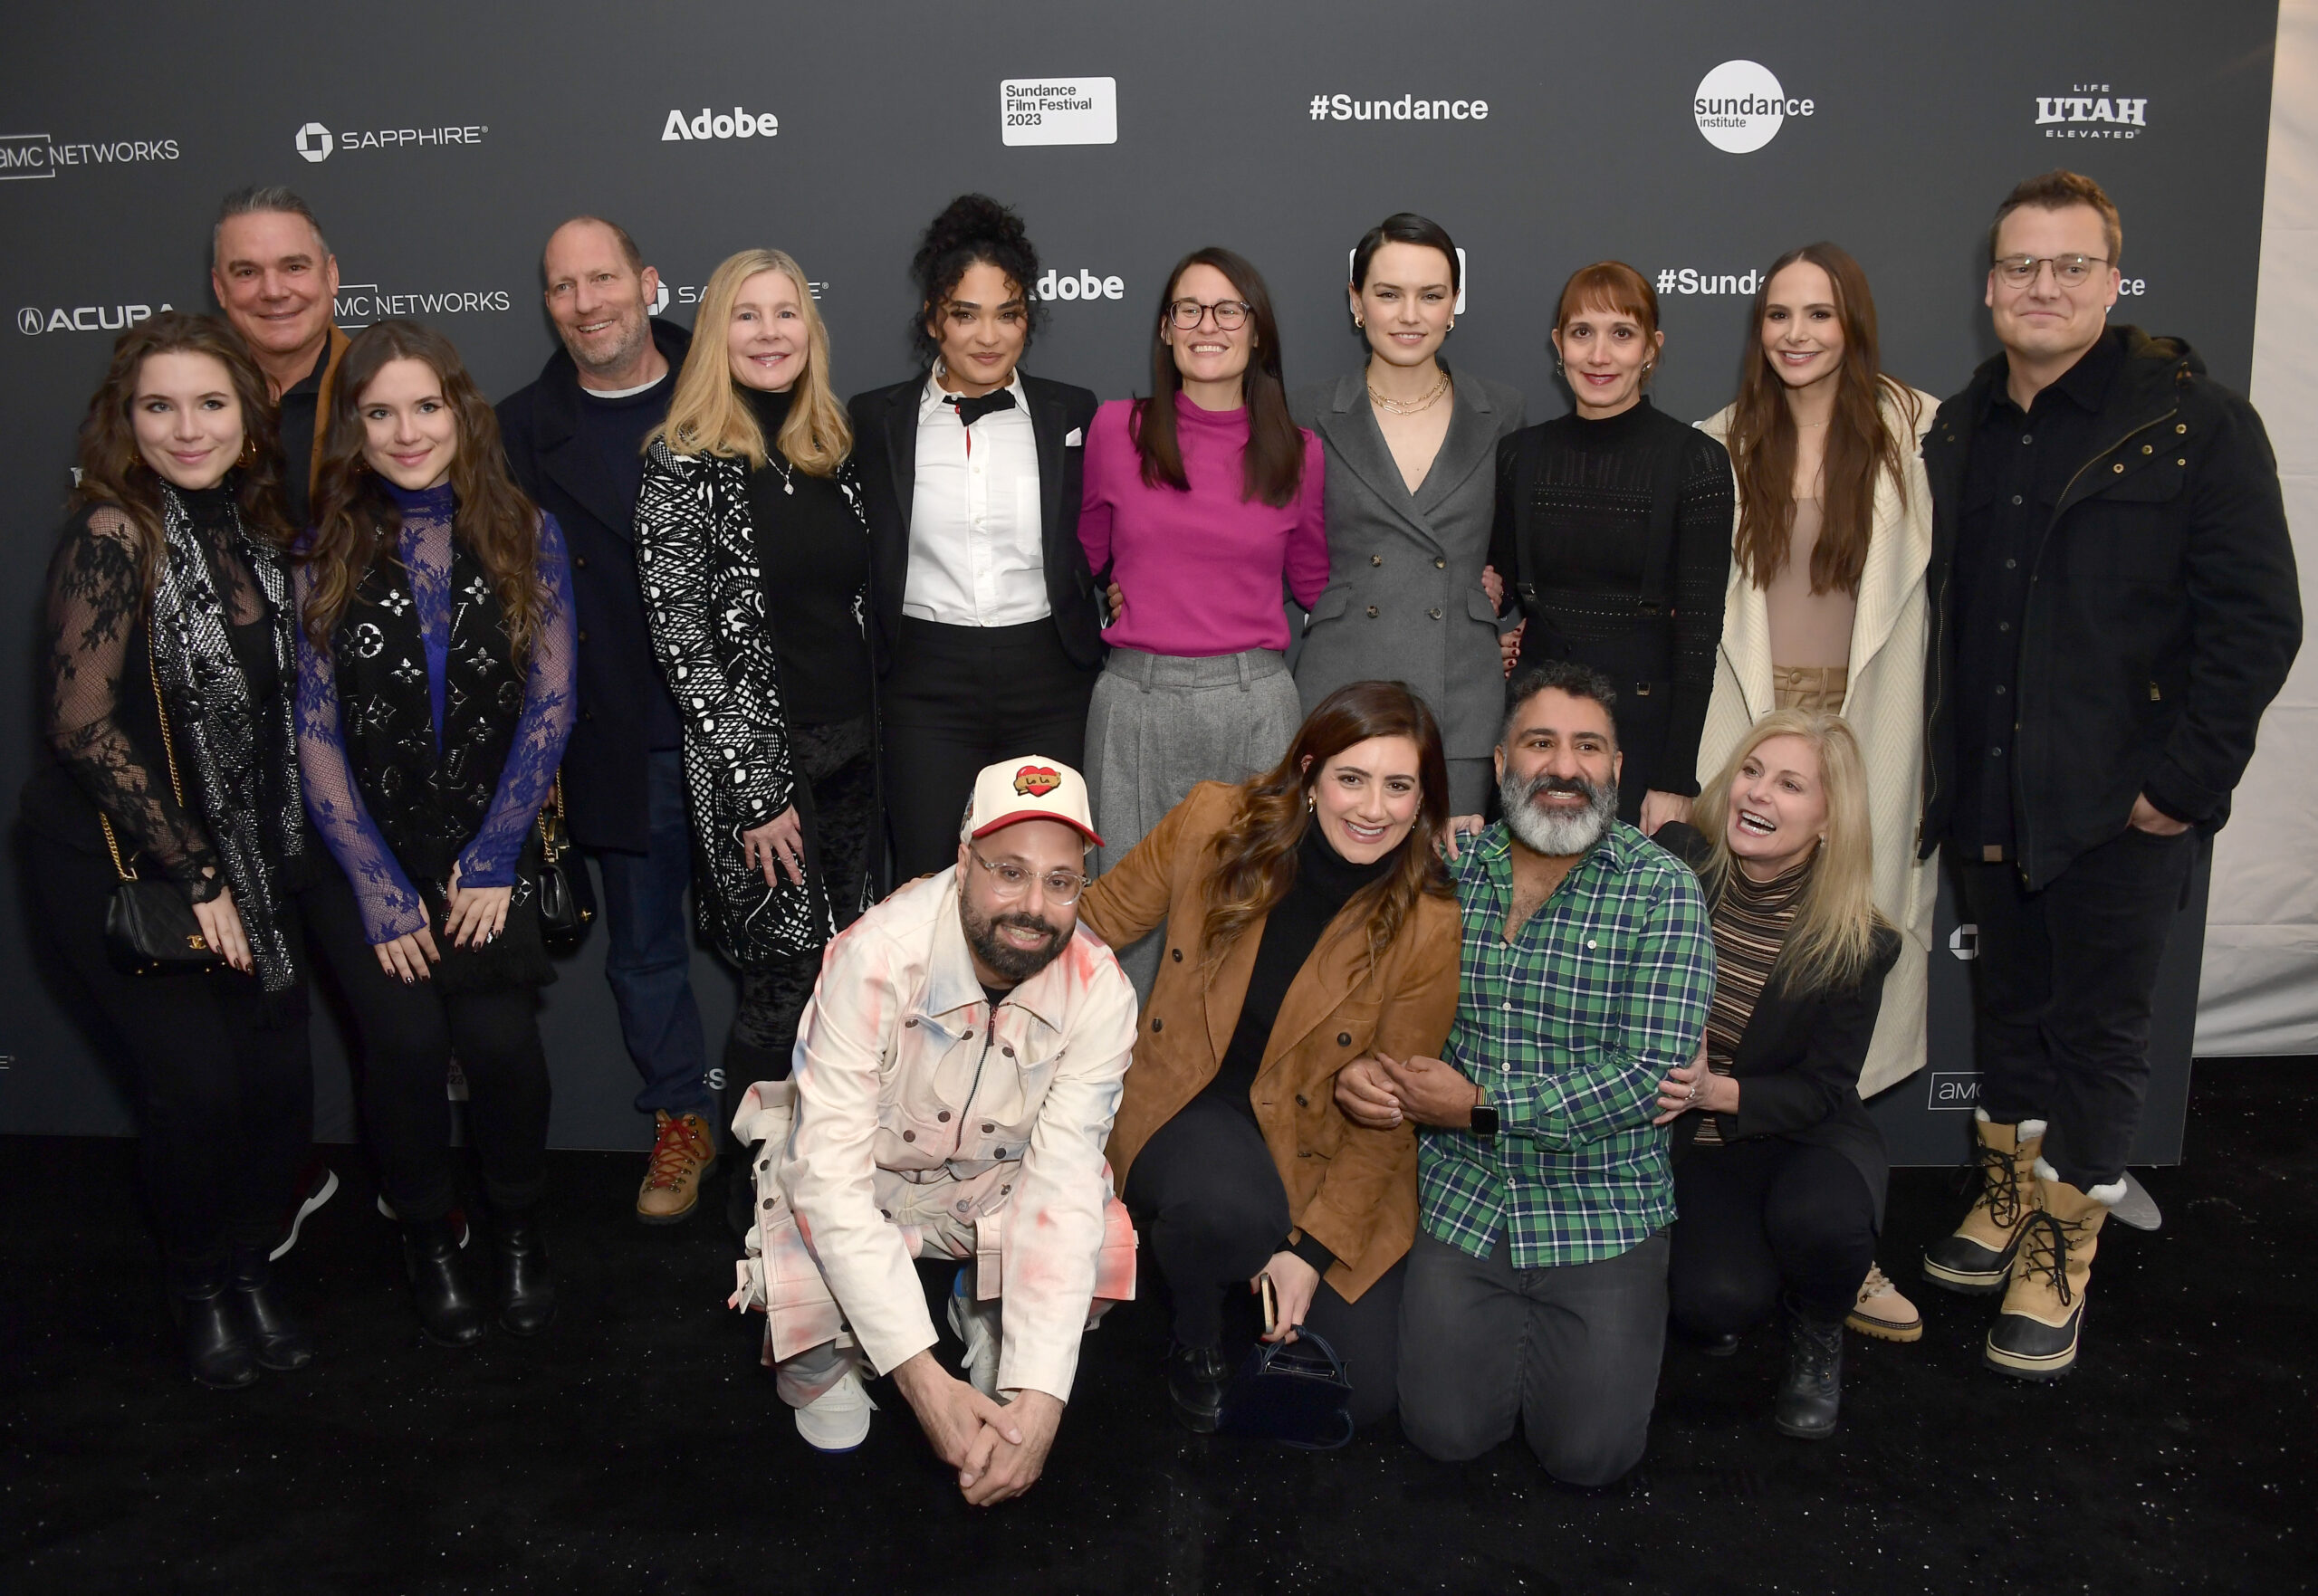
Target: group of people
(1206, 945)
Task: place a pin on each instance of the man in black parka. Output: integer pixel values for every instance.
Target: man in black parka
(2113, 605)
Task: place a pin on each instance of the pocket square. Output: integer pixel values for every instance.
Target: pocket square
(1077, 438)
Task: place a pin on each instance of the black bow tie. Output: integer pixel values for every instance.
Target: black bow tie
(972, 410)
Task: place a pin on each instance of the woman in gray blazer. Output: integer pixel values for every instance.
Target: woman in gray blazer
(1411, 488)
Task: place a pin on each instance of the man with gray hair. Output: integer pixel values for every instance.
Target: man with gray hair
(277, 283)
(1536, 1284)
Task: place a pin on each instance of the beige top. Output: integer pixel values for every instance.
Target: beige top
(1807, 628)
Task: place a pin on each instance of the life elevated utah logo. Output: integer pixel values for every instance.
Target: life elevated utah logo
(706, 123)
(31, 157)
(1739, 107)
(2088, 110)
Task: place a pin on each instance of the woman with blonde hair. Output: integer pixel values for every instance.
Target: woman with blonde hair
(1825, 607)
(754, 557)
(1779, 1173)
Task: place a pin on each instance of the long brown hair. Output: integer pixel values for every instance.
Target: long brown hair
(356, 520)
(1273, 466)
(113, 471)
(1762, 439)
(1255, 854)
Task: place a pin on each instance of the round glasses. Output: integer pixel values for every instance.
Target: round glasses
(1010, 882)
(2068, 271)
(1231, 315)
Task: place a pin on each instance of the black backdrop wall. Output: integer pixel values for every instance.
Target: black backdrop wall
(440, 144)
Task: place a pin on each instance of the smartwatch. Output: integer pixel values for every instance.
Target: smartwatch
(1484, 1124)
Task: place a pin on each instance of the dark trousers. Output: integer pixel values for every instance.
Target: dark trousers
(1761, 1218)
(647, 959)
(773, 994)
(1208, 1200)
(409, 1033)
(2062, 992)
(959, 698)
(1571, 1351)
(221, 1077)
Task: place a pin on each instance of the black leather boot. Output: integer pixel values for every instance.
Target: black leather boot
(1196, 1379)
(1812, 1391)
(201, 1300)
(278, 1339)
(526, 1289)
(450, 1310)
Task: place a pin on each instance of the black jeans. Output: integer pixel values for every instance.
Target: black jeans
(1571, 1350)
(2062, 991)
(763, 1037)
(409, 1035)
(959, 698)
(221, 1078)
(1762, 1218)
(1208, 1200)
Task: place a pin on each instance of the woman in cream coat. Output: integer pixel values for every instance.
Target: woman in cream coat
(1832, 496)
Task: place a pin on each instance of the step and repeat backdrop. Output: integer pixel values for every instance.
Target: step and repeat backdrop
(440, 144)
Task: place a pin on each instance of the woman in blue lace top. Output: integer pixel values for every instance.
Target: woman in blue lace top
(435, 680)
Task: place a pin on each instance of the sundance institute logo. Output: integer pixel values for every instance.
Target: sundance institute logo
(1740, 106)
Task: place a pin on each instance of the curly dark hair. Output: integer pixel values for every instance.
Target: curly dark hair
(973, 229)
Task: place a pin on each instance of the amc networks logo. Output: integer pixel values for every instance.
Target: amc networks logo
(1953, 1089)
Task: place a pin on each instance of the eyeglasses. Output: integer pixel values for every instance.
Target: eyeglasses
(1011, 882)
(2068, 271)
(1231, 315)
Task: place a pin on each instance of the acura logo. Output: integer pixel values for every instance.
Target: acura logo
(28, 321)
(314, 143)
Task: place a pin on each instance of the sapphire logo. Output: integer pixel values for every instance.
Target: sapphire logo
(660, 299)
(1964, 941)
(704, 123)
(1740, 106)
(314, 143)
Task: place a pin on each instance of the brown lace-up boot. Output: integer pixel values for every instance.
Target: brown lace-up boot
(1977, 1259)
(2038, 1332)
(683, 1152)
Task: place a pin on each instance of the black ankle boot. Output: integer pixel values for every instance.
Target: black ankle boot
(526, 1289)
(1812, 1391)
(201, 1300)
(450, 1309)
(1196, 1379)
(278, 1339)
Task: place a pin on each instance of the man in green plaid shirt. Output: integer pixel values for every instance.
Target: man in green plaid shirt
(1537, 1284)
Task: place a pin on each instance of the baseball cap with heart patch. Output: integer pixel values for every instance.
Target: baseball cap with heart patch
(1031, 788)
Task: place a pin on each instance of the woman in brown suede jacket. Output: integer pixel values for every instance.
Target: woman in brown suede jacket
(1309, 922)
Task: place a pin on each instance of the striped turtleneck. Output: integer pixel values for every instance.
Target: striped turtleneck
(1751, 921)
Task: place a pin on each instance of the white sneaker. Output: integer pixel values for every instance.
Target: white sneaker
(976, 1325)
(837, 1420)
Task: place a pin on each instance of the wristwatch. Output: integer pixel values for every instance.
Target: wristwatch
(1484, 1124)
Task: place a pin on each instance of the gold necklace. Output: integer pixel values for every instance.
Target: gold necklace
(1410, 406)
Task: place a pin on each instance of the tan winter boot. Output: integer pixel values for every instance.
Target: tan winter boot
(1977, 1259)
(1883, 1313)
(2036, 1333)
(683, 1151)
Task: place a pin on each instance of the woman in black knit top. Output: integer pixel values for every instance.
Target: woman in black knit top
(1614, 529)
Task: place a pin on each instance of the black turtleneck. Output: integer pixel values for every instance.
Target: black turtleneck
(813, 558)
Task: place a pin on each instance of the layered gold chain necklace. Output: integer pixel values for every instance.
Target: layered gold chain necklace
(1410, 406)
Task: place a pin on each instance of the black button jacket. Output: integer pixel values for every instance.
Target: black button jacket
(2163, 610)
(604, 765)
(885, 446)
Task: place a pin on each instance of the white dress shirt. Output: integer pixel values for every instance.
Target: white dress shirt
(976, 551)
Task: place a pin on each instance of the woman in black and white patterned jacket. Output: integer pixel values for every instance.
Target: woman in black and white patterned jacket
(754, 559)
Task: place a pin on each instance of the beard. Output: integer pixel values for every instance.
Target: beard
(1560, 835)
(1002, 958)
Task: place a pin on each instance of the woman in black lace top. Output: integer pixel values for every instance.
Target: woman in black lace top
(1613, 530)
(165, 693)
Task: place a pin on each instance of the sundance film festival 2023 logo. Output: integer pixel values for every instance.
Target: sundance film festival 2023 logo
(1058, 111)
(30, 156)
(1739, 107)
(315, 142)
(2088, 110)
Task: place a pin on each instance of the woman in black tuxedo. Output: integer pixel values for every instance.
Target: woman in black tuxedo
(987, 621)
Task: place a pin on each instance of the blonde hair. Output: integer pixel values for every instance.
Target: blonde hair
(1835, 921)
(708, 416)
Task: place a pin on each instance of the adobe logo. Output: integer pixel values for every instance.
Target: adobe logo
(1080, 285)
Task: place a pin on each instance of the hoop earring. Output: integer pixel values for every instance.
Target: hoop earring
(1558, 371)
(1311, 801)
(1361, 322)
(1453, 324)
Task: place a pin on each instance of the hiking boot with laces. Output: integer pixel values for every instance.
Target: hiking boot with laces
(1977, 1258)
(1883, 1313)
(2038, 1331)
(683, 1152)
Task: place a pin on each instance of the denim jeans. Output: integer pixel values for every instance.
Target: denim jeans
(648, 963)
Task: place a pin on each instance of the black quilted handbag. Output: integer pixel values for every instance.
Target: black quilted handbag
(567, 891)
(150, 928)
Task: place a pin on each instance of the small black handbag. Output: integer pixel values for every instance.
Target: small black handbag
(567, 891)
(1295, 1392)
(150, 928)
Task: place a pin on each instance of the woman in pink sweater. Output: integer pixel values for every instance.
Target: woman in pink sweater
(1203, 502)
